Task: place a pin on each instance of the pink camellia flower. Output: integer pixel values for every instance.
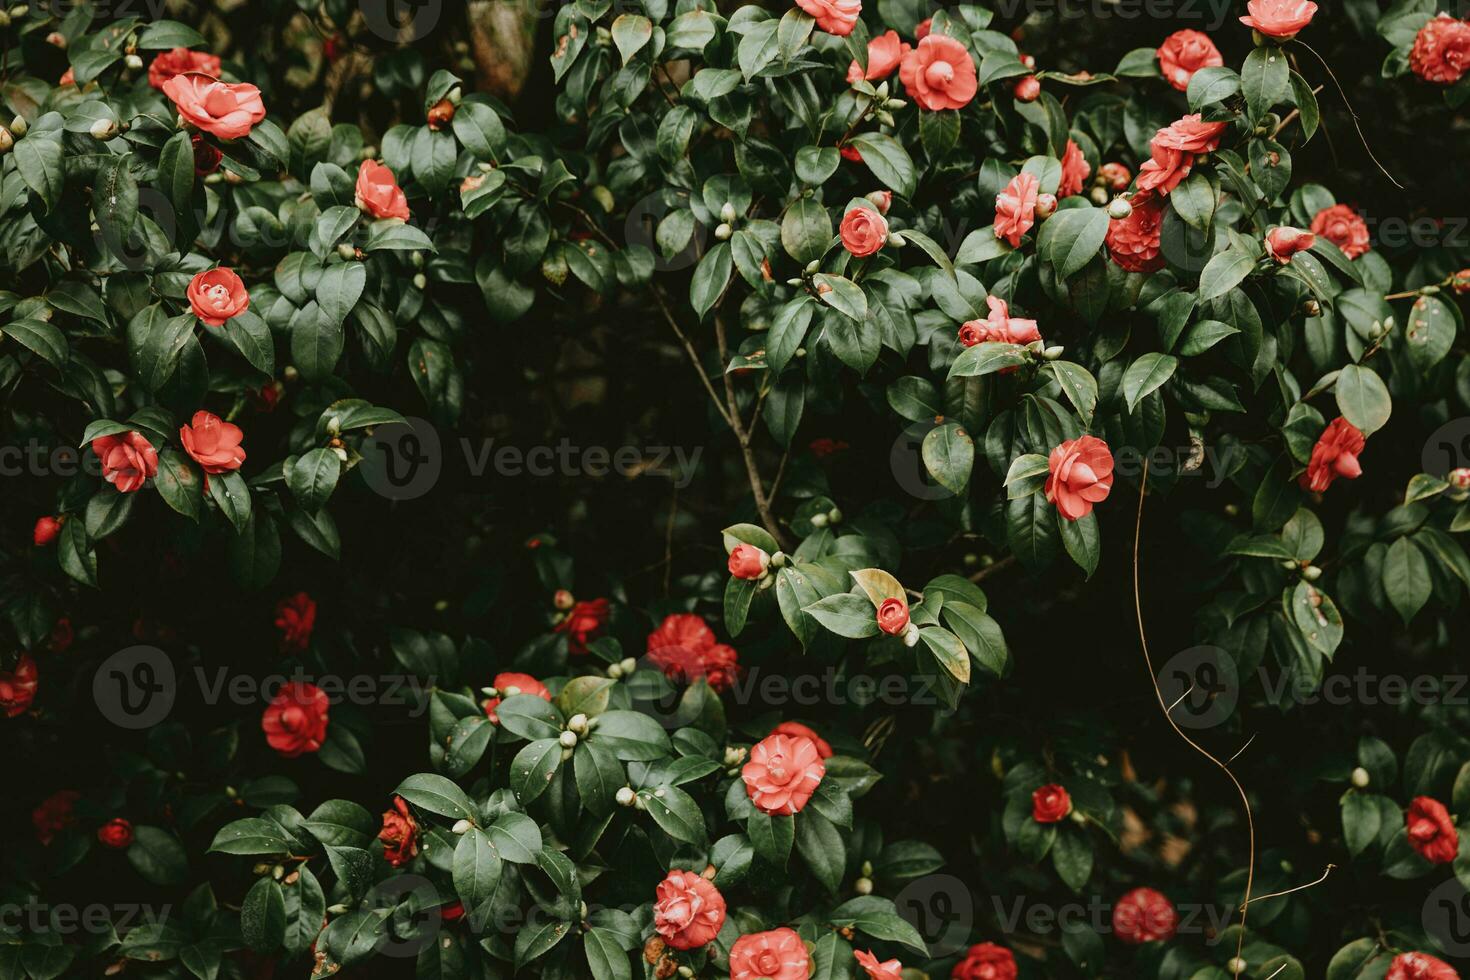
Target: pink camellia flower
(216, 295)
(837, 17)
(295, 722)
(1191, 134)
(378, 192)
(68, 77)
(1075, 171)
(1279, 18)
(688, 911)
(18, 687)
(1343, 227)
(985, 961)
(1285, 241)
(885, 53)
(782, 773)
(775, 955)
(893, 615)
(128, 460)
(1133, 242)
(1431, 830)
(748, 562)
(1185, 52)
(219, 108)
(296, 618)
(1012, 329)
(882, 200)
(1165, 170)
(795, 729)
(863, 231)
(1015, 208)
(1050, 804)
(213, 443)
(47, 530)
(888, 970)
(921, 30)
(1419, 966)
(1335, 455)
(684, 648)
(1441, 51)
(939, 73)
(1115, 176)
(508, 685)
(1081, 475)
(1144, 916)
(177, 62)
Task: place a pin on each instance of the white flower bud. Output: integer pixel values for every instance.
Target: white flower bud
(734, 755)
(615, 671)
(1236, 966)
(625, 796)
(347, 252)
(133, 62)
(103, 129)
(1361, 778)
(863, 886)
(910, 635)
(1311, 573)
(18, 125)
(723, 231)
(727, 213)
(340, 453)
(6, 140)
(461, 826)
(819, 520)
(577, 723)
(1119, 208)
(834, 516)
(420, 281)
(629, 665)
(568, 740)
(1053, 353)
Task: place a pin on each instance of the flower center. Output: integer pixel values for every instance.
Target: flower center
(939, 73)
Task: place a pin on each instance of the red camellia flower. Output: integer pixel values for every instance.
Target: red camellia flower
(1050, 804)
(985, 961)
(452, 912)
(1279, 18)
(217, 295)
(18, 687)
(116, 833)
(1116, 176)
(54, 814)
(1144, 916)
(1185, 52)
(684, 648)
(213, 443)
(921, 30)
(795, 729)
(885, 52)
(1015, 208)
(584, 623)
(207, 156)
(1431, 830)
(688, 911)
(1284, 241)
(1335, 455)
(1343, 227)
(1081, 475)
(46, 531)
(295, 722)
(939, 73)
(62, 636)
(1133, 242)
(1165, 170)
(296, 618)
(782, 773)
(1419, 966)
(378, 192)
(1441, 50)
(748, 562)
(863, 231)
(999, 327)
(1191, 134)
(219, 108)
(825, 446)
(508, 685)
(889, 970)
(833, 16)
(1075, 171)
(177, 62)
(893, 615)
(128, 460)
(1027, 89)
(778, 954)
(850, 152)
(68, 77)
(400, 834)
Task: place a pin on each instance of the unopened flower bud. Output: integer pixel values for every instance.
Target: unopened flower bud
(734, 755)
(727, 213)
(19, 126)
(863, 886)
(577, 723)
(1311, 573)
(819, 520)
(6, 140)
(1361, 778)
(882, 200)
(629, 665)
(1119, 208)
(563, 600)
(615, 671)
(103, 129)
(56, 39)
(346, 252)
(1459, 478)
(1053, 353)
(461, 826)
(340, 453)
(911, 635)
(813, 267)
(1098, 196)
(723, 231)
(893, 105)
(1028, 89)
(1236, 966)
(834, 516)
(1046, 205)
(420, 281)
(1312, 308)
(568, 740)
(133, 62)
(441, 113)
(625, 796)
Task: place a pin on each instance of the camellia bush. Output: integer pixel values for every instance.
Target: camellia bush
(644, 488)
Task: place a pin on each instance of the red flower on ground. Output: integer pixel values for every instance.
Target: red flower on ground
(508, 685)
(116, 833)
(1431, 830)
(54, 814)
(128, 460)
(400, 834)
(1144, 916)
(584, 623)
(18, 687)
(782, 774)
(296, 618)
(1343, 227)
(295, 722)
(688, 911)
(1081, 474)
(985, 961)
(1050, 804)
(1335, 455)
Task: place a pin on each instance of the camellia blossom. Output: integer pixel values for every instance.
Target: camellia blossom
(400, 834)
(215, 295)
(1419, 966)
(1279, 18)
(999, 327)
(177, 62)
(1133, 242)
(1075, 171)
(863, 231)
(116, 833)
(1441, 50)
(1081, 475)
(1145, 915)
(377, 192)
(1335, 455)
(885, 53)
(1185, 52)
(1343, 227)
(1165, 170)
(128, 460)
(1015, 208)
(985, 961)
(748, 562)
(219, 108)
(46, 531)
(782, 774)
(508, 685)
(893, 615)
(213, 443)
(1191, 134)
(796, 729)
(1050, 804)
(1431, 830)
(296, 618)
(939, 73)
(887, 970)
(778, 954)
(837, 17)
(54, 814)
(584, 623)
(1116, 177)
(684, 648)
(18, 687)
(688, 911)
(1283, 242)
(295, 722)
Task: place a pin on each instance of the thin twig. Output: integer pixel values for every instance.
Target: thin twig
(663, 306)
(743, 435)
(990, 570)
(1351, 112)
(1311, 884)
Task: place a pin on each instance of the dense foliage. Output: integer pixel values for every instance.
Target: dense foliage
(827, 491)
